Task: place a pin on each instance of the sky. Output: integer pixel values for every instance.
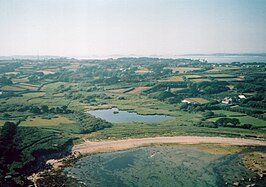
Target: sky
(131, 27)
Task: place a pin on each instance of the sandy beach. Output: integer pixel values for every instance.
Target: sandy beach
(88, 147)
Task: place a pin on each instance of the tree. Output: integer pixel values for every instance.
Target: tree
(8, 150)
(58, 110)
(247, 126)
(35, 110)
(208, 114)
(164, 95)
(227, 122)
(44, 108)
(5, 81)
(6, 115)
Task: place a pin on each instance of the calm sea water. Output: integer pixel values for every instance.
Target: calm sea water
(115, 115)
(229, 59)
(209, 58)
(156, 166)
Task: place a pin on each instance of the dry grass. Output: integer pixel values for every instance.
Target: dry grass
(213, 70)
(12, 73)
(143, 71)
(172, 79)
(230, 79)
(11, 88)
(120, 90)
(26, 67)
(28, 86)
(198, 100)
(255, 161)
(183, 69)
(218, 75)
(46, 72)
(2, 122)
(176, 89)
(139, 89)
(218, 149)
(20, 80)
(200, 80)
(231, 87)
(193, 76)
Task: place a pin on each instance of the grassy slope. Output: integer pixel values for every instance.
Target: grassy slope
(182, 125)
(242, 117)
(46, 122)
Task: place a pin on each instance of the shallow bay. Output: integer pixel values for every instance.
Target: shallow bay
(157, 166)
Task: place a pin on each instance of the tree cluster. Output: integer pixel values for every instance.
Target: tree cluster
(88, 123)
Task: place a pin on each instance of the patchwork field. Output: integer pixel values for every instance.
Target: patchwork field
(220, 69)
(143, 71)
(139, 90)
(200, 80)
(183, 69)
(198, 100)
(28, 86)
(176, 89)
(193, 76)
(46, 72)
(219, 75)
(11, 88)
(244, 119)
(53, 86)
(121, 90)
(54, 104)
(37, 121)
(33, 95)
(12, 73)
(172, 79)
(20, 80)
(229, 79)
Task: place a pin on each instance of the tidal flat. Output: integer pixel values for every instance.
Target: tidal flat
(163, 165)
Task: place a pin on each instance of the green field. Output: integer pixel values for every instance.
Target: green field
(50, 106)
(53, 86)
(41, 122)
(244, 119)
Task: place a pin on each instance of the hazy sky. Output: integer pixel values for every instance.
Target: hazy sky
(140, 27)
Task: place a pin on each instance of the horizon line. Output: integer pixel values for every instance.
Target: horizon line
(140, 56)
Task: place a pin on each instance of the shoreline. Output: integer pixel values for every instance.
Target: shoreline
(88, 147)
(91, 147)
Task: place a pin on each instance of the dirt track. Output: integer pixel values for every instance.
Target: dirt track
(112, 145)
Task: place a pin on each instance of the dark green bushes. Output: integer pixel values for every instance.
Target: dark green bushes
(88, 123)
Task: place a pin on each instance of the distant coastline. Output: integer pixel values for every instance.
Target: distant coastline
(210, 57)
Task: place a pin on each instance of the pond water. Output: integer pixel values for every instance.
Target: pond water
(156, 166)
(115, 115)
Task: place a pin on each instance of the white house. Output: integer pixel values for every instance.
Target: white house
(185, 101)
(227, 100)
(242, 96)
(188, 101)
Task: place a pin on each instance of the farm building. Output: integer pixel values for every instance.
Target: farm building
(242, 96)
(187, 100)
(227, 100)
